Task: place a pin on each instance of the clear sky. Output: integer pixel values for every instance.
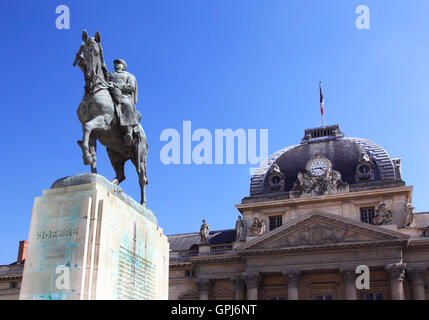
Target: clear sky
(251, 64)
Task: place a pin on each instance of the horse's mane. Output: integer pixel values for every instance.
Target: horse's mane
(103, 63)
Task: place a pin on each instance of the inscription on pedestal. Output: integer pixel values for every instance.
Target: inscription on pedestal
(136, 277)
(60, 233)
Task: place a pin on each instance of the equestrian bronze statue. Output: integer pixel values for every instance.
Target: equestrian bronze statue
(108, 113)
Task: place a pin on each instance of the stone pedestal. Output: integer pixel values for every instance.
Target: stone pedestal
(88, 240)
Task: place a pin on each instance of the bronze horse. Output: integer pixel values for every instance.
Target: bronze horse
(99, 119)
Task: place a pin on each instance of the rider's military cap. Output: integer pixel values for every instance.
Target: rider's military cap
(121, 61)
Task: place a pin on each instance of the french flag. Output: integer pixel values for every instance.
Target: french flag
(322, 101)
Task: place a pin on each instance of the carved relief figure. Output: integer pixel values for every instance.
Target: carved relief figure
(382, 215)
(258, 227)
(204, 232)
(319, 178)
(409, 215)
(318, 234)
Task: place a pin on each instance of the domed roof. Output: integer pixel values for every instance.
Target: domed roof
(344, 153)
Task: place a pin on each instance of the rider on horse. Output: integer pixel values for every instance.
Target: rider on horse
(124, 92)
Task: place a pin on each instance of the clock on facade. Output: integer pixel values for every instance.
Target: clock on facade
(317, 168)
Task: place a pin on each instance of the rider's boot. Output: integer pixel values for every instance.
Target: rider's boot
(128, 137)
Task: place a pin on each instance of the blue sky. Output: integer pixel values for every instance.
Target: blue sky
(251, 64)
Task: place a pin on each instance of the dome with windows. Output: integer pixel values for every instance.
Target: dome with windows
(325, 162)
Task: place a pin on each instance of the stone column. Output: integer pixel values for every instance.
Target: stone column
(239, 288)
(253, 282)
(418, 282)
(292, 283)
(204, 286)
(349, 277)
(396, 273)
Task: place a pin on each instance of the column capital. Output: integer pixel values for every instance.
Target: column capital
(203, 284)
(292, 277)
(349, 274)
(396, 271)
(417, 275)
(252, 279)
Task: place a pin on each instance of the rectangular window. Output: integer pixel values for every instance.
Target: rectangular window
(275, 222)
(367, 215)
(374, 296)
(190, 273)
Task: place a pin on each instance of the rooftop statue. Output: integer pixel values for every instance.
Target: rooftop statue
(108, 113)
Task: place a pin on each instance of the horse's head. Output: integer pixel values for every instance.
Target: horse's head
(94, 65)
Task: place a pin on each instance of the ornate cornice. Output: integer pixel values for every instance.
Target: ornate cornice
(324, 198)
(227, 257)
(321, 248)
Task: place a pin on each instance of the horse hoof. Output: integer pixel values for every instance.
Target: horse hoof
(87, 160)
(79, 143)
(115, 181)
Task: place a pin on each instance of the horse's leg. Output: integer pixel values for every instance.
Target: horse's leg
(118, 163)
(93, 151)
(96, 123)
(139, 161)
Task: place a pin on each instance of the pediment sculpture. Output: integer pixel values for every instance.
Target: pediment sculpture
(319, 178)
(317, 234)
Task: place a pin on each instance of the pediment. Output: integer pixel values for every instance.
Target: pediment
(223, 293)
(318, 228)
(189, 295)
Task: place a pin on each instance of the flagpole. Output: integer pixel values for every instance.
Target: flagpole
(322, 104)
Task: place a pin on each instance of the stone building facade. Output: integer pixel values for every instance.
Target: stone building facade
(11, 275)
(316, 212)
